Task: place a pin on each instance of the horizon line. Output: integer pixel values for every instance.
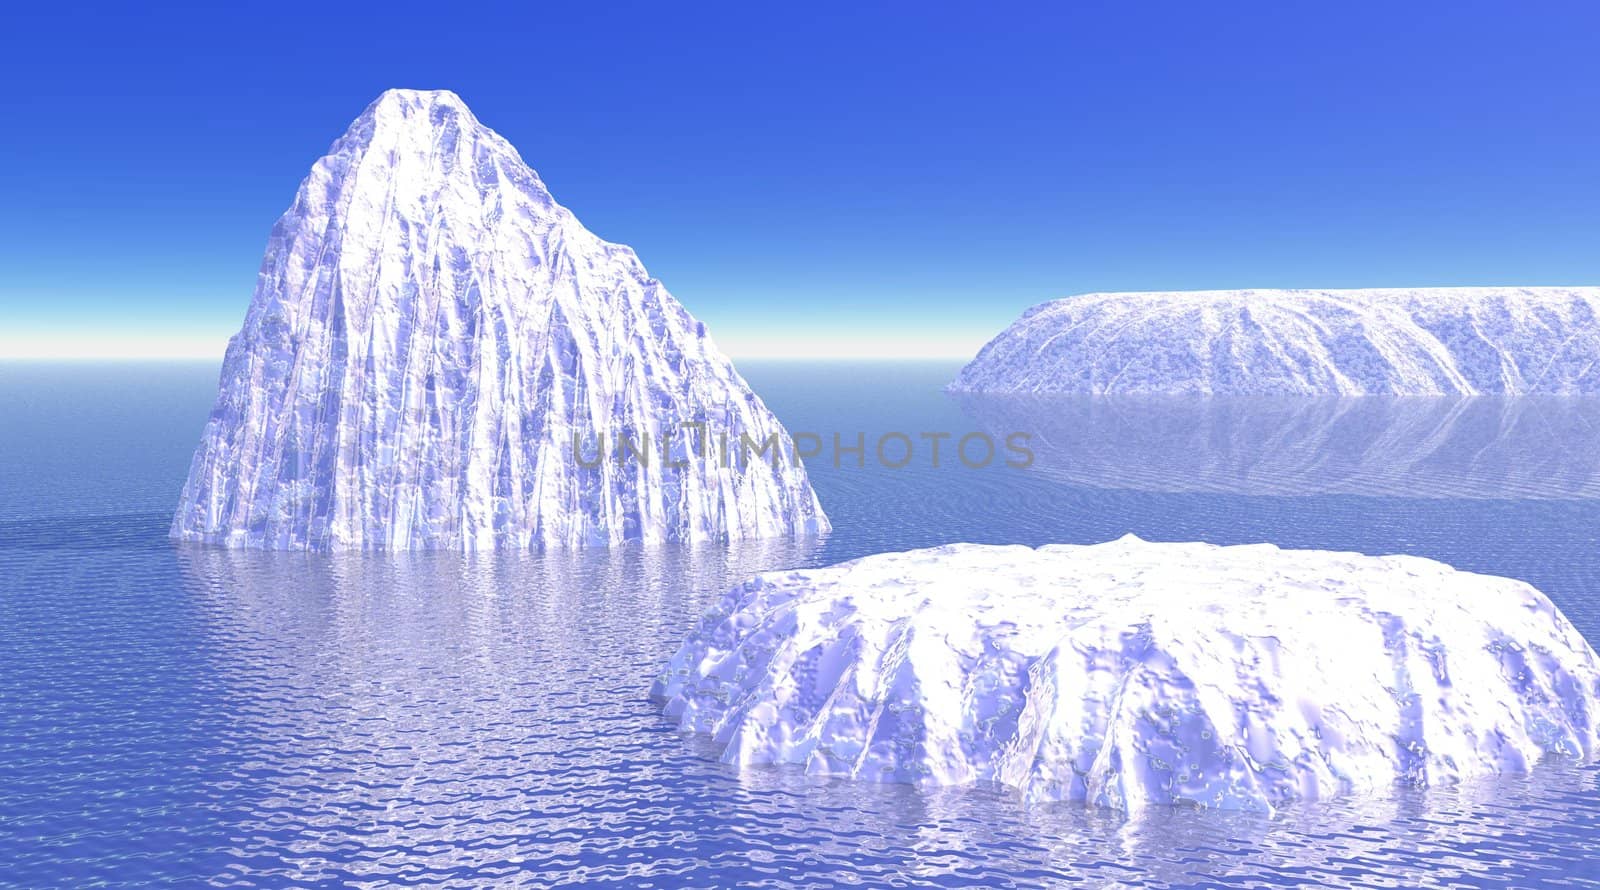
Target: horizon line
(153, 358)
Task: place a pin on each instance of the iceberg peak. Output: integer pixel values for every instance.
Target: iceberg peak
(402, 99)
(417, 111)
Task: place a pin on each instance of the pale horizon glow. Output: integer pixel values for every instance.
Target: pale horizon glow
(60, 344)
(56, 344)
(750, 344)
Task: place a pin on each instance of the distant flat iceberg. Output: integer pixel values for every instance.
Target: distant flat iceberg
(1133, 674)
(1404, 342)
(438, 355)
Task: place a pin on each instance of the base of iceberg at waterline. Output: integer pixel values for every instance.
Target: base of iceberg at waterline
(1130, 674)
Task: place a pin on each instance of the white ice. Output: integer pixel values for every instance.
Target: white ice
(1131, 674)
(1421, 341)
(430, 334)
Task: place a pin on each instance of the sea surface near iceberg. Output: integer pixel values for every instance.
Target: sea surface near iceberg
(177, 715)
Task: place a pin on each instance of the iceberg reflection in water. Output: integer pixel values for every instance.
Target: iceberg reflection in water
(1482, 447)
(437, 714)
(173, 716)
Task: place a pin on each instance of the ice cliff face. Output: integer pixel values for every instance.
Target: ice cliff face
(1430, 341)
(439, 355)
(1132, 674)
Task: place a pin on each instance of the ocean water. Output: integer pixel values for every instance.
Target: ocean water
(185, 716)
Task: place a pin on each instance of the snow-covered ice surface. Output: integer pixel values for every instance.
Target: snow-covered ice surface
(1419, 341)
(431, 334)
(1130, 674)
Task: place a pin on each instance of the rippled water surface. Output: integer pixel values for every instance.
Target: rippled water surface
(180, 716)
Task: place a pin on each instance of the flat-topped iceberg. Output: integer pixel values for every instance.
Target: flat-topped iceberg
(1418, 341)
(438, 355)
(1131, 674)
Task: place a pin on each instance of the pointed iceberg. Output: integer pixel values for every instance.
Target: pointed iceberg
(438, 355)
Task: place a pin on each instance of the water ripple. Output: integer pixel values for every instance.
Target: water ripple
(190, 717)
(244, 719)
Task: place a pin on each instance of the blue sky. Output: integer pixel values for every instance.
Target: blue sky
(856, 179)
